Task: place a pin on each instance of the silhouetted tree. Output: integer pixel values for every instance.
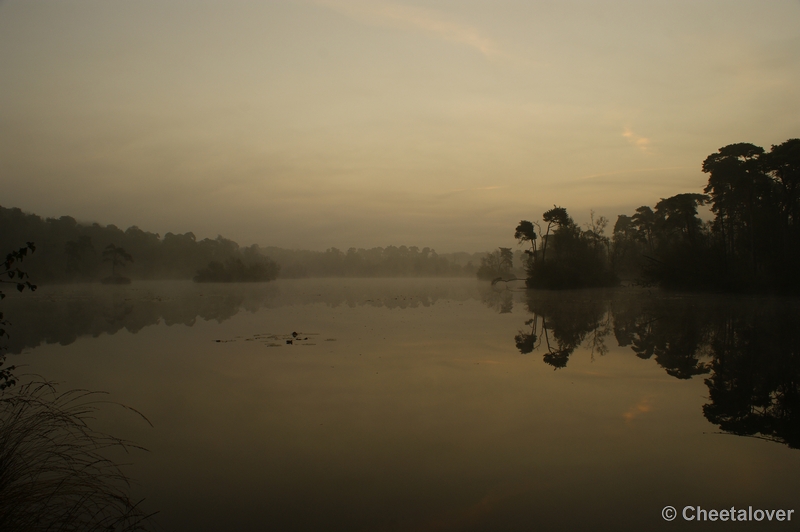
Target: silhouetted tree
(738, 188)
(678, 216)
(782, 164)
(578, 258)
(526, 232)
(557, 216)
(645, 222)
(752, 243)
(627, 248)
(117, 257)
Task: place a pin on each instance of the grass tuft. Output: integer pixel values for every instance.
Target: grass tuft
(53, 474)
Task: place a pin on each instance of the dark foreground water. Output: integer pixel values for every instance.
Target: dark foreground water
(432, 405)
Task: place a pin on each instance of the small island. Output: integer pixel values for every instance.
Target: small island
(747, 241)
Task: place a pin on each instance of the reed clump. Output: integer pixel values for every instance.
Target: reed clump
(53, 472)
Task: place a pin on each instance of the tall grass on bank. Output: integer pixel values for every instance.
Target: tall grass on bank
(53, 474)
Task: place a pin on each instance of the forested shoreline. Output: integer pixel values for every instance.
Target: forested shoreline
(752, 243)
(69, 251)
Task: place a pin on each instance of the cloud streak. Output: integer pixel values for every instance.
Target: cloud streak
(643, 143)
(378, 12)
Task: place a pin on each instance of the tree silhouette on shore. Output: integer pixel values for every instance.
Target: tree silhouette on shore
(117, 257)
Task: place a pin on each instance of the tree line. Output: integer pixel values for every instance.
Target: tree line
(751, 243)
(69, 251)
(390, 261)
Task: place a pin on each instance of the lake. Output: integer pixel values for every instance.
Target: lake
(431, 404)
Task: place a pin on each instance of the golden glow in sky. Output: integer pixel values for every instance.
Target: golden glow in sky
(318, 123)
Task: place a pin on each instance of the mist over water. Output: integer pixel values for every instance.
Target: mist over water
(431, 404)
(391, 265)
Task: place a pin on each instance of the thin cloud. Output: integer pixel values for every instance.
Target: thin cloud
(643, 143)
(408, 17)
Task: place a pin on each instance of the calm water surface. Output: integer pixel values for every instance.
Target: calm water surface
(431, 405)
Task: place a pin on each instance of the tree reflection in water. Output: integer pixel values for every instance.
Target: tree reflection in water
(755, 375)
(561, 325)
(499, 298)
(64, 314)
(675, 332)
(748, 348)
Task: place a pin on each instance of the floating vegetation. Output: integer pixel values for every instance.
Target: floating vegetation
(277, 340)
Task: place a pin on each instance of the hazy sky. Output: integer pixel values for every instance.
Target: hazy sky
(318, 123)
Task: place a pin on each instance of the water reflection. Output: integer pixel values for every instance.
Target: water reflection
(749, 348)
(746, 349)
(675, 332)
(372, 429)
(754, 386)
(62, 314)
(500, 300)
(562, 324)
